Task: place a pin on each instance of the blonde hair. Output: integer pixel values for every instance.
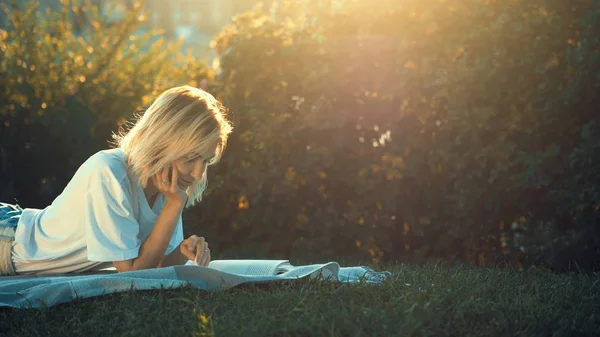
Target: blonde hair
(182, 121)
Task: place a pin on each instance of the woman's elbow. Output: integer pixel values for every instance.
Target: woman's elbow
(123, 266)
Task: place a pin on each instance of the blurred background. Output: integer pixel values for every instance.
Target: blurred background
(413, 131)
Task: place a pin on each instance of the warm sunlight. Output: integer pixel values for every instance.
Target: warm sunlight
(299, 167)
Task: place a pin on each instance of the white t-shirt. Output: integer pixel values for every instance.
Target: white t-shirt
(101, 216)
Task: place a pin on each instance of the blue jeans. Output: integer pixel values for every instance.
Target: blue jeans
(9, 217)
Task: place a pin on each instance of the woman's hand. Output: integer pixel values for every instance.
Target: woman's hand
(196, 249)
(167, 183)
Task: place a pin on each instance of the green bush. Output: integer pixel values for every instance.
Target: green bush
(62, 93)
(403, 131)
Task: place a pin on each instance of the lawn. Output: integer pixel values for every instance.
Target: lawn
(429, 300)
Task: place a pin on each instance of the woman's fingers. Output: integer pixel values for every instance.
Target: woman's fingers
(191, 241)
(164, 175)
(159, 179)
(206, 258)
(187, 247)
(202, 253)
(198, 251)
(199, 241)
(167, 183)
(188, 253)
(174, 178)
(205, 255)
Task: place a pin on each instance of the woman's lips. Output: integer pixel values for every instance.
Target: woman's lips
(185, 182)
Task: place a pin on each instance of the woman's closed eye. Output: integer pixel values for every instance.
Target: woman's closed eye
(210, 160)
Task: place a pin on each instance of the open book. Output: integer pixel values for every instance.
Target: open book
(252, 267)
(281, 268)
(261, 270)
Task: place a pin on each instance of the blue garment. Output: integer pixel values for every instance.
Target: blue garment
(9, 218)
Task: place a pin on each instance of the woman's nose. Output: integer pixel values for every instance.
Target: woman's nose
(198, 169)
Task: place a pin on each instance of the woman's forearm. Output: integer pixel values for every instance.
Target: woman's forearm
(153, 249)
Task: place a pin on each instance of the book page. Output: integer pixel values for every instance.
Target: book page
(248, 267)
(326, 270)
(283, 268)
(300, 271)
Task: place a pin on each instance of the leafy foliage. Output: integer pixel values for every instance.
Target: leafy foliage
(409, 130)
(412, 130)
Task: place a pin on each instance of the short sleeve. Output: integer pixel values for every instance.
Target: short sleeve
(112, 231)
(177, 237)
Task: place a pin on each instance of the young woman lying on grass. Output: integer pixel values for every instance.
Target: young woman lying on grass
(123, 206)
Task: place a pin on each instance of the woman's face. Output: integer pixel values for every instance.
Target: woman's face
(191, 168)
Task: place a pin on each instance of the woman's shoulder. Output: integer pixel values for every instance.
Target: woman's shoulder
(109, 155)
(106, 163)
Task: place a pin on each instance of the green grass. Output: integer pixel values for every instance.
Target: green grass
(426, 300)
